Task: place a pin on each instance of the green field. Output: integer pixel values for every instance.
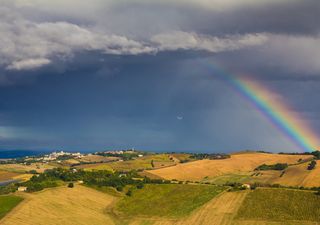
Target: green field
(166, 200)
(280, 205)
(8, 202)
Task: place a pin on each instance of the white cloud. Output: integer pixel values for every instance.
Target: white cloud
(28, 64)
(191, 41)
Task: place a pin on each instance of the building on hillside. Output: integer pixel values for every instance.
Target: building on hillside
(22, 188)
(246, 186)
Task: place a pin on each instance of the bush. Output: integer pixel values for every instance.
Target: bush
(312, 165)
(140, 185)
(129, 193)
(70, 185)
(119, 188)
(278, 166)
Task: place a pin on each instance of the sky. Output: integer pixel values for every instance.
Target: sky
(117, 74)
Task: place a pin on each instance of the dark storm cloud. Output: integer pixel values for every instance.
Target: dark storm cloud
(121, 73)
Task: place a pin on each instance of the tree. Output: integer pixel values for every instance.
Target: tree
(70, 185)
(312, 165)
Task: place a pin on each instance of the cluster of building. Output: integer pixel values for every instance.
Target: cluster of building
(55, 155)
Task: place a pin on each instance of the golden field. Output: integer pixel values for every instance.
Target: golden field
(21, 168)
(245, 162)
(69, 206)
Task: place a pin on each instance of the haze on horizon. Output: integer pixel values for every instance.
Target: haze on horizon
(105, 74)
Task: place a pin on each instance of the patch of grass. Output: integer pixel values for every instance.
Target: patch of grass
(105, 189)
(7, 203)
(166, 200)
(229, 178)
(280, 205)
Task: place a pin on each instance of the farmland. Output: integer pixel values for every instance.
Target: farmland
(78, 205)
(167, 200)
(280, 205)
(21, 168)
(145, 162)
(245, 162)
(7, 203)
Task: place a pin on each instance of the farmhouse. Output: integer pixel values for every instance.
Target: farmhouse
(22, 188)
(246, 186)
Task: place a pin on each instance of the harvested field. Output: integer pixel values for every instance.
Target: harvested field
(200, 169)
(5, 175)
(69, 206)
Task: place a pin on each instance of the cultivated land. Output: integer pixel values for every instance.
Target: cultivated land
(280, 205)
(5, 175)
(245, 162)
(7, 203)
(68, 206)
(145, 162)
(21, 168)
(166, 200)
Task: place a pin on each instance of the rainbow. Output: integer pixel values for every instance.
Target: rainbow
(273, 109)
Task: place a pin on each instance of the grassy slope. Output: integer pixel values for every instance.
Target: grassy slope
(168, 200)
(7, 203)
(280, 205)
(212, 168)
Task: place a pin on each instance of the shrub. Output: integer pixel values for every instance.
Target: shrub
(312, 165)
(129, 193)
(70, 185)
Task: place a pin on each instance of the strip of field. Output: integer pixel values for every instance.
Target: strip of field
(280, 205)
(200, 169)
(6, 175)
(21, 168)
(79, 205)
(7, 203)
(146, 162)
(166, 200)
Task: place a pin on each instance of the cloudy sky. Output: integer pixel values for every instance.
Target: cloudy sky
(106, 74)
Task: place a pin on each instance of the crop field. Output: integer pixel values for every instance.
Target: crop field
(21, 168)
(7, 203)
(79, 205)
(166, 200)
(97, 158)
(245, 162)
(6, 175)
(218, 211)
(159, 160)
(280, 205)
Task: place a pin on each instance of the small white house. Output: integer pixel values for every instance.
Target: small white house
(22, 188)
(246, 186)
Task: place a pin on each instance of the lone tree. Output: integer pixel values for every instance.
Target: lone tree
(70, 185)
